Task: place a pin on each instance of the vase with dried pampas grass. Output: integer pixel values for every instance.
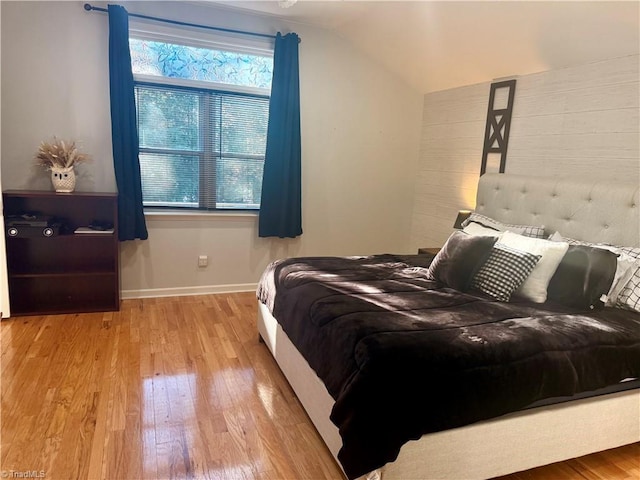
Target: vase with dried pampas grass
(61, 157)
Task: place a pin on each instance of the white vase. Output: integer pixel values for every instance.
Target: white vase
(63, 179)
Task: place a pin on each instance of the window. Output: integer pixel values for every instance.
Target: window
(202, 124)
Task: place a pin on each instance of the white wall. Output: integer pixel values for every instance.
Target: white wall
(577, 122)
(360, 136)
(51, 86)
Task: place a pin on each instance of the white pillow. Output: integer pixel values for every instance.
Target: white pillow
(535, 286)
(626, 267)
(629, 296)
(556, 237)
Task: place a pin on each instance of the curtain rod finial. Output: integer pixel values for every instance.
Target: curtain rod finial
(88, 7)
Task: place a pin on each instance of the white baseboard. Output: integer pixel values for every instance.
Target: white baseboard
(186, 291)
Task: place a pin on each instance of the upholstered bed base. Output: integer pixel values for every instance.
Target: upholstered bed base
(487, 449)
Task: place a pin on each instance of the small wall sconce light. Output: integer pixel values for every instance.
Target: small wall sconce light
(462, 216)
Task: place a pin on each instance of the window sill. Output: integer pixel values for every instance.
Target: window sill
(152, 214)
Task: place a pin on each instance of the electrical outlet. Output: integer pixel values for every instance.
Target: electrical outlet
(203, 260)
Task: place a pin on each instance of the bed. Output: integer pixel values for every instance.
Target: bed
(489, 436)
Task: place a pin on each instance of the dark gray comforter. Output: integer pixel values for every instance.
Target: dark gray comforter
(403, 356)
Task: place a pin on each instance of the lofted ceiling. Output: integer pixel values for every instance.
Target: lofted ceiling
(436, 45)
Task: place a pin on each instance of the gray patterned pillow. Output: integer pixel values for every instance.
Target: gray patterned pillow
(504, 271)
(629, 296)
(633, 252)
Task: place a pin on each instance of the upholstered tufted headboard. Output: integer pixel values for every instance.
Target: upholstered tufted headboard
(586, 210)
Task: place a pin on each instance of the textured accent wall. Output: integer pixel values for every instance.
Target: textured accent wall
(449, 162)
(573, 122)
(578, 121)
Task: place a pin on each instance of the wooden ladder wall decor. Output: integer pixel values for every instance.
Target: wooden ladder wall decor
(496, 134)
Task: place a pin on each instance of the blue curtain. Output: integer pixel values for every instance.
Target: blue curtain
(124, 131)
(280, 206)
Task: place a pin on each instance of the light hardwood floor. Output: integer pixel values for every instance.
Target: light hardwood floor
(173, 388)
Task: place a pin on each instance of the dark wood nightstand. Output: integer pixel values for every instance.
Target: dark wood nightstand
(429, 250)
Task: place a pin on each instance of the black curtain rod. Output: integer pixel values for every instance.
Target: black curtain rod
(88, 7)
